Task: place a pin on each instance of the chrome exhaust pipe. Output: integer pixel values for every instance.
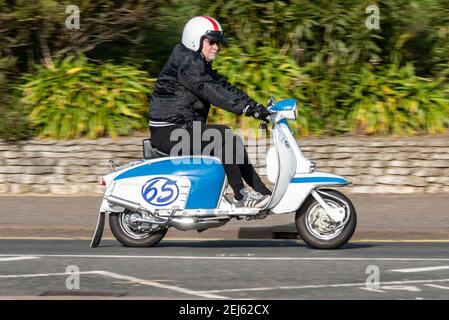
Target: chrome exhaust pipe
(135, 207)
(183, 224)
(186, 224)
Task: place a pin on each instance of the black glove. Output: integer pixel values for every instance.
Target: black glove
(258, 112)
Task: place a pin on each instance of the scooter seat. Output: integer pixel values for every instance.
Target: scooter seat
(149, 152)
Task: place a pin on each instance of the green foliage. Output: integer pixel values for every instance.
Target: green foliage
(13, 121)
(262, 73)
(14, 125)
(77, 98)
(395, 101)
(317, 51)
(325, 32)
(323, 93)
(333, 33)
(344, 65)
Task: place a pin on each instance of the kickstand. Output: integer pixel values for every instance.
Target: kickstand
(98, 230)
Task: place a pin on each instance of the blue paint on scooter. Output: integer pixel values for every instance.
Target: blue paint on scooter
(284, 121)
(284, 105)
(206, 177)
(319, 179)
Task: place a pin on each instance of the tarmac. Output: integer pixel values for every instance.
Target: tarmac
(381, 217)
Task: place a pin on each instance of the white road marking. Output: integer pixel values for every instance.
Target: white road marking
(222, 258)
(112, 238)
(401, 240)
(160, 285)
(341, 285)
(122, 277)
(19, 258)
(437, 286)
(410, 270)
(36, 275)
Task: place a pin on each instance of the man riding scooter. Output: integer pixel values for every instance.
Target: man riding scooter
(183, 94)
(145, 198)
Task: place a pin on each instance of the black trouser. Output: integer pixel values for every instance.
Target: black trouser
(236, 163)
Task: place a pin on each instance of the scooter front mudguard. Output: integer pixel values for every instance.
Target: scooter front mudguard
(301, 185)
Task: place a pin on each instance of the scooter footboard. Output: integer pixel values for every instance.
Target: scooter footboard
(302, 185)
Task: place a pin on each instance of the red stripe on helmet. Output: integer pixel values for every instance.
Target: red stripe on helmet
(214, 23)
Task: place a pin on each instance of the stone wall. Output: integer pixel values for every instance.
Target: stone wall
(405, 165)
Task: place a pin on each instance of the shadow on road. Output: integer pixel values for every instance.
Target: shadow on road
(234, 244)
(263, 243)
(350, 246)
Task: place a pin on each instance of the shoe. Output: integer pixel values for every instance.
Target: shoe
(251, 199)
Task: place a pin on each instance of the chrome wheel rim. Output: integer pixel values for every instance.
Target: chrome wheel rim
(131, 229)
(321, 226)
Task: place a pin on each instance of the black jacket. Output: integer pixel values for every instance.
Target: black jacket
(187, 86)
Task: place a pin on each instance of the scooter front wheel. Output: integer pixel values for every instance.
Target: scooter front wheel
(317, 229)
(129, 234)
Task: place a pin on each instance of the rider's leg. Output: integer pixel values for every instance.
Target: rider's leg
(235, 160)
(218, 149)
(232, 153)
(160, 138)
(248, 172)
(235, 156)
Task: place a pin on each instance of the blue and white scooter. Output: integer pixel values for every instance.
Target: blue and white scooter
(146, 197)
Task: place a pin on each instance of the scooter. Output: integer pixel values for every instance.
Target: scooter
(144, 198)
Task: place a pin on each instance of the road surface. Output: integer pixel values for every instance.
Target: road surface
(224, 269)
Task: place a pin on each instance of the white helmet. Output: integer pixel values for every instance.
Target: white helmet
(199, 27)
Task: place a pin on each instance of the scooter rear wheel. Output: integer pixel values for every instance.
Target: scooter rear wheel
(317, 229)
(130, 237)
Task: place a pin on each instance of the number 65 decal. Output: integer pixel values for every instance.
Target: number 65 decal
(160, 191)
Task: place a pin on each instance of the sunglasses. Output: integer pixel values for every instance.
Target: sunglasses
(212, 42)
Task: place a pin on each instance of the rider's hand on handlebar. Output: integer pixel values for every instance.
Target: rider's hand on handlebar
(258, 112)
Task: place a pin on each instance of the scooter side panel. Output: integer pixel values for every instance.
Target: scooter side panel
(154, 191)
(205, 175)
